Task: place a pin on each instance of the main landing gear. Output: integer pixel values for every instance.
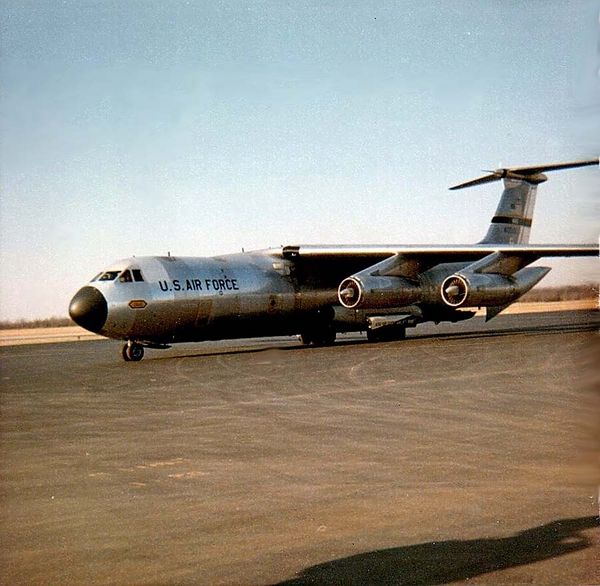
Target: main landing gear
(132, 352)
(318, 328)
(324, 336)
(386, 334)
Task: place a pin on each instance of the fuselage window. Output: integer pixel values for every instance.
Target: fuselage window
(109, 276)
(137, 275)
(125, 277)
(96, 277)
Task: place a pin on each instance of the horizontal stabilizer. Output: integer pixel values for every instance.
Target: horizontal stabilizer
(532, 175)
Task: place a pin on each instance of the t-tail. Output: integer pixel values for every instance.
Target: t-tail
(512, 221)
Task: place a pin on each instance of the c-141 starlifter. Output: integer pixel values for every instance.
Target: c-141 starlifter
(318, 291)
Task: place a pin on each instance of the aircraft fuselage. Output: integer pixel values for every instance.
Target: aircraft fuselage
(185, 299)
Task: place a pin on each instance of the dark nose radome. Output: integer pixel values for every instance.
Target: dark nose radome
(88, 309)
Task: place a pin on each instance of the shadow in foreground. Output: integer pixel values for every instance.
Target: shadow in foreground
(449, 561)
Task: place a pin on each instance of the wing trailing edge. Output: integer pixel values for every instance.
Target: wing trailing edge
(383, 250)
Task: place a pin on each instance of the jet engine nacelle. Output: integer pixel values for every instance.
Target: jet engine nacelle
(377, 292)
(489, 289)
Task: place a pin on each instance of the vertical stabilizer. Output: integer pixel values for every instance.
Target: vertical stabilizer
(512, 221)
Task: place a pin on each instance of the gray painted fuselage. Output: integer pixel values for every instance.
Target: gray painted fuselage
(192, 299)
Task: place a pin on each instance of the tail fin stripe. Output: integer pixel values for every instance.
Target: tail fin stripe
(510, 220)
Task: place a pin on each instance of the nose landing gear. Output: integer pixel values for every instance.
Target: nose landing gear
(132, 352)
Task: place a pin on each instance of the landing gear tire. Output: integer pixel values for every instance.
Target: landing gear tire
(319, 329)
(319, 337)
(387, 334)
(305, 338)
(124, 353)
(327, 337)
(132, 352)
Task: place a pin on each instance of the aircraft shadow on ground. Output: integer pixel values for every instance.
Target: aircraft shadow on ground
(526, 331)
(448, 561)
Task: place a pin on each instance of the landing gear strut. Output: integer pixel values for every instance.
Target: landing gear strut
(132, 352)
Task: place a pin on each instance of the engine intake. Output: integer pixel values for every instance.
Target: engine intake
(455, 290)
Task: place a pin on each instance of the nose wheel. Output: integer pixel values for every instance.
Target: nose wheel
(132, 352)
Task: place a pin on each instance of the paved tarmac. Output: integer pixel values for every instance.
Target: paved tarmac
(470, 457)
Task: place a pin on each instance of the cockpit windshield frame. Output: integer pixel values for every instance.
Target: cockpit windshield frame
(108, 276)
(125, 277)
(128, 275)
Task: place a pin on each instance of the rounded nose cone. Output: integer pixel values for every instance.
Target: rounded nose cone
(89, 309)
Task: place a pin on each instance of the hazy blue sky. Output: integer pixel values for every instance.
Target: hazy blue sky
(141, 127)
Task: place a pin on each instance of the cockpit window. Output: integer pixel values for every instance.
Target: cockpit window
(125, 277)
(109, 276)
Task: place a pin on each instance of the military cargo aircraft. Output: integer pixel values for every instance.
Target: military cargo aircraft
(316, 292)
